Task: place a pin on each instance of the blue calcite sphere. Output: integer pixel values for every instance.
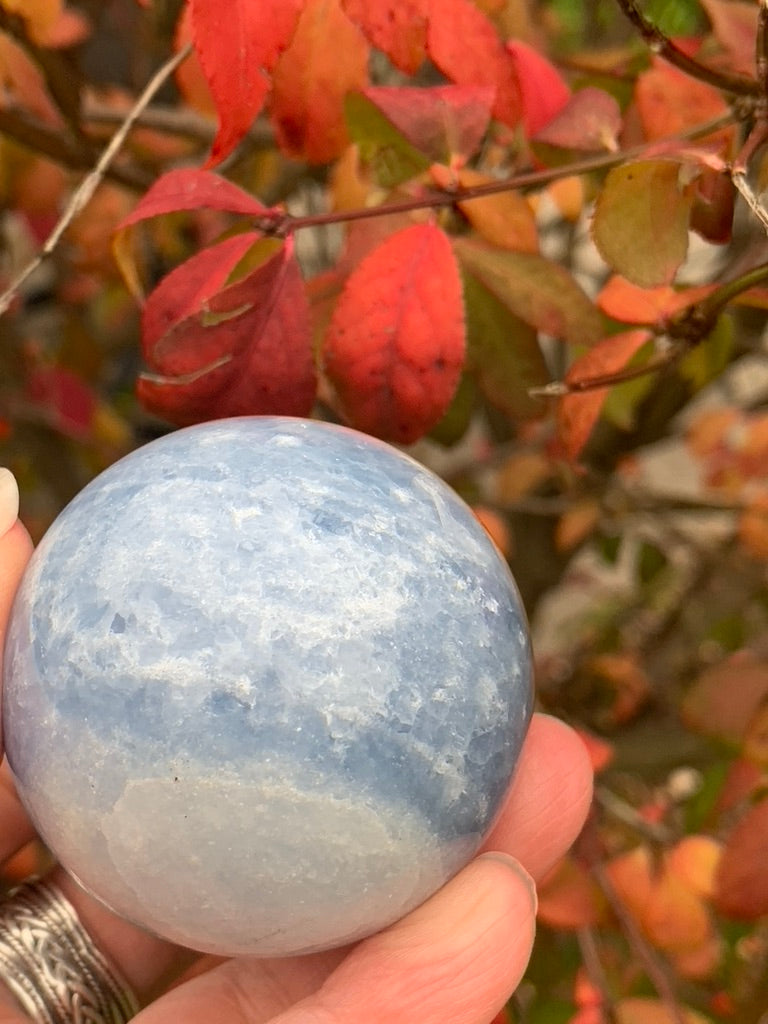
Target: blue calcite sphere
(266, 682)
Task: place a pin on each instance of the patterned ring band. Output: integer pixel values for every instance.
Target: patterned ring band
(49, 962)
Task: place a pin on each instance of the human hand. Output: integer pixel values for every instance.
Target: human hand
(456, 959)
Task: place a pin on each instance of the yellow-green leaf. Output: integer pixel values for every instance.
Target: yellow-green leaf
(642, 218)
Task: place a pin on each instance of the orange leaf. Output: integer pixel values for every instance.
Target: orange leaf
(327, 58)
(396, 27)
(694, 860)
(496, 527)
(504, 219)
(653, 1011)
(577, 523)
(23, 84)
(39, 16)
(631, 874)
(569, 898)
(670, 103)
(700, 962)
(632, 304)
(237, 42)
(578, 413)
(465, 46)
(395, 346)
(675, 918)
(742, 879)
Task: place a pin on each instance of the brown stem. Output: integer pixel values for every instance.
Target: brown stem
(740, 85)
(558, 388)
(46, 141)
(527, 180)
(590, 956)
(652, 964)
(696, 321)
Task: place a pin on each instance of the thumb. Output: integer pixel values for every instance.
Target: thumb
(15, 547)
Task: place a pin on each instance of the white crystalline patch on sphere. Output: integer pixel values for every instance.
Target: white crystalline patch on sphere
(265, 838)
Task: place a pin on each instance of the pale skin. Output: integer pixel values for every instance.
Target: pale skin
(454, 960)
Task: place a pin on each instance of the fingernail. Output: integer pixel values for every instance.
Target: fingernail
(9, 500)
(517, 868)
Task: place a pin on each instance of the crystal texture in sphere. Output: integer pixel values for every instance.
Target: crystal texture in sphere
(266, 683)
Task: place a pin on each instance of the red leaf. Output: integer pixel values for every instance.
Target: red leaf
(186, 290)
(713, 207)
(395, 346)
(579, 412)
(245, 351)
(543, 90)
(465, 46)
(590, 121)
(237, 42)
(63, 400)
(327, 58)
(189, 189)
(438, 121)
(396, 27)
(742, 881)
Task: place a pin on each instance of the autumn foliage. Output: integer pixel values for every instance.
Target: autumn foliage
(528, 241)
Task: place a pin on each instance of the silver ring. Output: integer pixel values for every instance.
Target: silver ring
(49, 962)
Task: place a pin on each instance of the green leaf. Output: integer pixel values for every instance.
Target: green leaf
(650, 561)
(457, 418)
(623, 400)
(675, 17)
(503, 351)
(392, 157)
(540, 293)
(641, 220)
(708, 360)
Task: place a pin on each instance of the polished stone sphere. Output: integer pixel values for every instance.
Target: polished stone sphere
(266, 683)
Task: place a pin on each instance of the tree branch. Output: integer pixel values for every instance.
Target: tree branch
(46, 141)
(173, 121)
(84, 193)
(287, 224)
(740, 85)
(652, 965)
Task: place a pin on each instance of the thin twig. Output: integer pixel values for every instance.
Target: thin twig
(740, 85)
(590, 956)
(527, 180)
(85, 191)
(559, 388)
(652, 964)
(622, 811)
